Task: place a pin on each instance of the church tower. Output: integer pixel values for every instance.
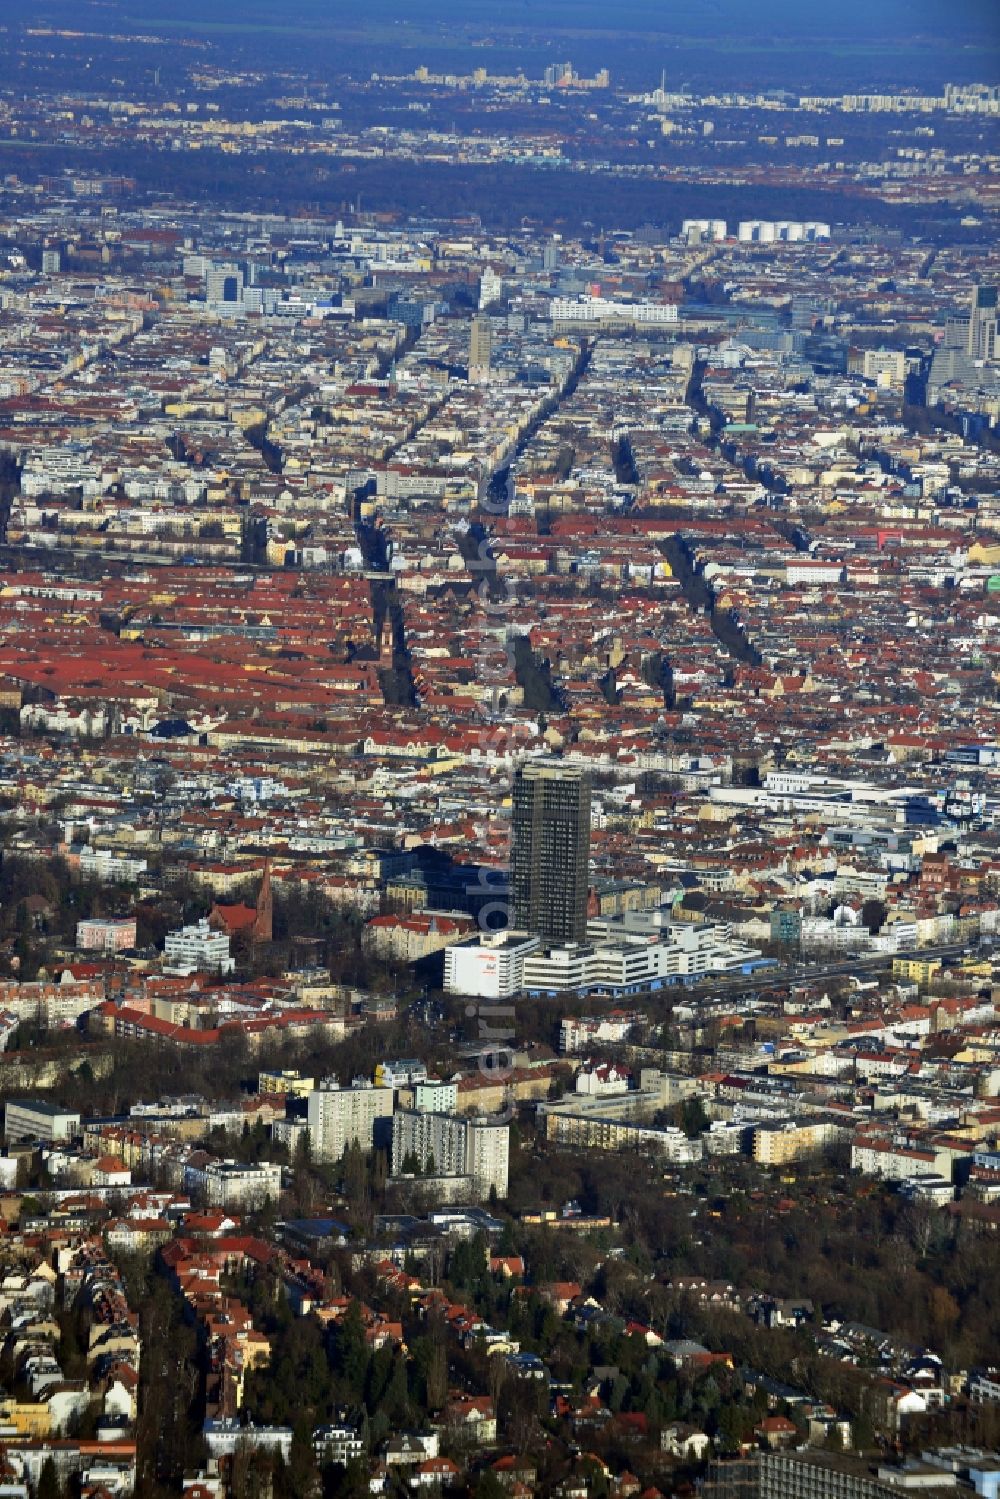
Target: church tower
(263, 927)
(387, 643)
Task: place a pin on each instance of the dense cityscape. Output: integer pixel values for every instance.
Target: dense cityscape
(499, 754)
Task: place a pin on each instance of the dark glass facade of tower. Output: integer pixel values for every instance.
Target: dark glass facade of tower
(550, 851)
(984, 324)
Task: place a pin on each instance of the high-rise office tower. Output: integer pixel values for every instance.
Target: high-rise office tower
(480, 350)
(983, 340)
(223, 283)
(550, 851)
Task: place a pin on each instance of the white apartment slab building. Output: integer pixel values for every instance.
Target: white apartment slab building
(338, 1116)
(450, 1145)
(604, 310)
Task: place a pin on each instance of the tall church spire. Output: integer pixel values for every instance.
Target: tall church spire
(263, 927)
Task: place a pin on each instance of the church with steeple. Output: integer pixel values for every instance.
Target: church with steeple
(255, 922)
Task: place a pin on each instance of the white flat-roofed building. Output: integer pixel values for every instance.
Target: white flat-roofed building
(337, 1444)
(491, 968)
(984, 1384)
(34, 1119)
(604, 310)
(404, 1072)
(198, 949)
(636, 961)
(113, 868)
(433, 1097)
(556, 968)
(886, 366)
(223, 1434)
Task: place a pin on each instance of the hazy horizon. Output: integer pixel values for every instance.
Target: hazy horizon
(772, 43)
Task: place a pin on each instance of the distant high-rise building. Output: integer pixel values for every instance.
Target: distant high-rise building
(956, 334)
(983, 341)
(490, 288)
(51, 262)
(223, 283)
(805, 310)
(480, 350)
(550, 851)
(557, 73)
